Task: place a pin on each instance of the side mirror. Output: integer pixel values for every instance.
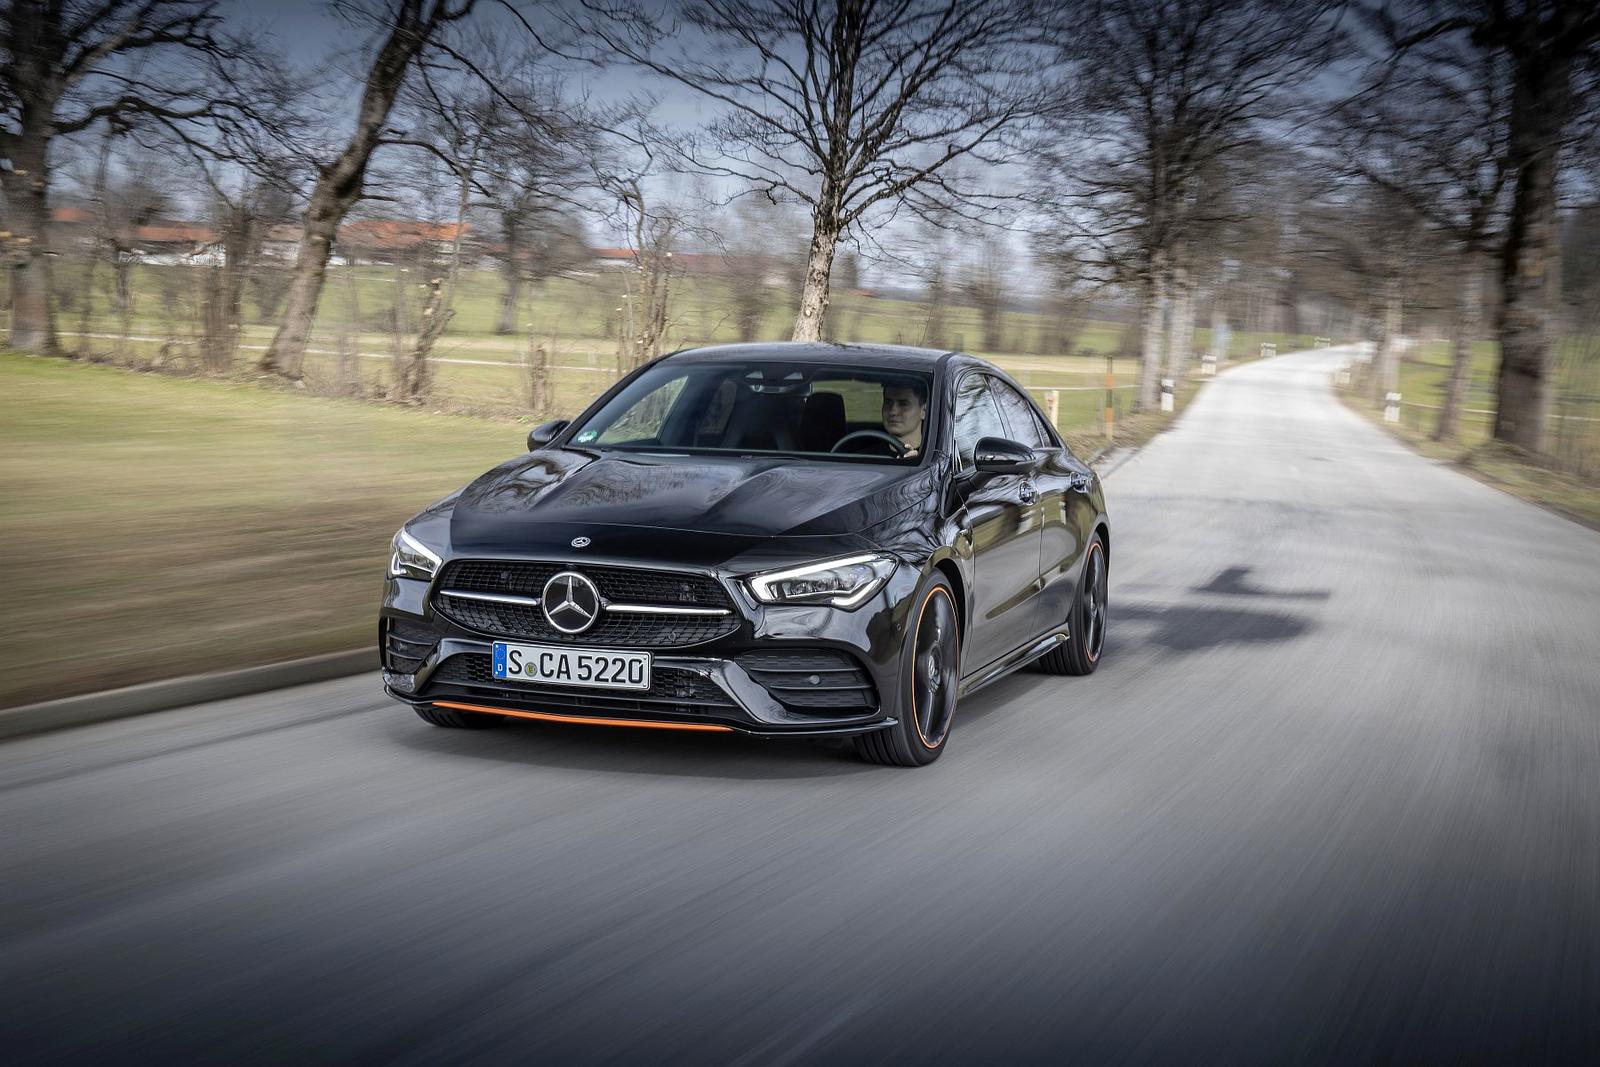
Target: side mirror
(546, 432)
(996, 455)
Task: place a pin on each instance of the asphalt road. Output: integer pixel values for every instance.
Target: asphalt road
(1334, 795)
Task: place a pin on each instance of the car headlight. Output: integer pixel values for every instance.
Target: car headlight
(410, 558)
(842, 583)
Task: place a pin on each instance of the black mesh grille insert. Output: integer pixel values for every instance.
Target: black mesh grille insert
(406, 644)
(671, 690)
(616, 584)
(816, 680)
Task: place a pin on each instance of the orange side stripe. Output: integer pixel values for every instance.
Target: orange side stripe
(547, 716)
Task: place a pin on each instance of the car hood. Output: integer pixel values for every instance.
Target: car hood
(741, 497)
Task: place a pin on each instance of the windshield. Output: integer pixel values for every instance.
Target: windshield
(763, 408)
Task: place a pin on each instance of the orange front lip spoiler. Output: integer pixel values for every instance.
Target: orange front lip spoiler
(546, 716)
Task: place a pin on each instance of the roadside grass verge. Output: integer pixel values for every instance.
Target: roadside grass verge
(1492, 462)
(158, 526)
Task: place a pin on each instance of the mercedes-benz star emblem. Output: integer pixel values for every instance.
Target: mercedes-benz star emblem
(570, 602)
(580, 542)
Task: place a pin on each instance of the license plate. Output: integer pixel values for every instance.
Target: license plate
(588, 667)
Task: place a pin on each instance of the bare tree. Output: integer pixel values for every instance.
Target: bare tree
(759, 227)
(67, 66)
(1434, 132)
(846, 105)
(1066, 296)
(240, 220)
(987, 286)
(1549, 54)
(409, 25)
(647, 285)
(533, 173)
(1176, 89)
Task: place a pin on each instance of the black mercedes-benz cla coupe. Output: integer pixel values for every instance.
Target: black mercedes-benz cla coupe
(789, 540)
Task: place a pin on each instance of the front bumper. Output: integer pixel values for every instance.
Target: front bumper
(737, 682)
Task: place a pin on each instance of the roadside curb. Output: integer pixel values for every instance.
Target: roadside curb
(1110, 459)
(179, 692)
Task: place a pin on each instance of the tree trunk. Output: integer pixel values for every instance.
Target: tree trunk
(511, 267)
(1467, 327)
(1386, 367)
(1152, 300)
(1540, 101)
(819, 265)
(286, 355)
(338, 187)
(33, 326)
(933, 326)
(992, 311)
(1219, 329)
(1180, 335)
(439, 308)
(510, 300)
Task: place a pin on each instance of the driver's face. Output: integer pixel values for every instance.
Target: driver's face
(902, 413)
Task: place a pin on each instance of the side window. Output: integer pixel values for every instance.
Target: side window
(976, 416)
(1025, 426)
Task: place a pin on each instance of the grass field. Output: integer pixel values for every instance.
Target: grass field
(1575, 425)
(158, 526)
(477, 371)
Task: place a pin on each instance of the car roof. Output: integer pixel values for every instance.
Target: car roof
(895, 357)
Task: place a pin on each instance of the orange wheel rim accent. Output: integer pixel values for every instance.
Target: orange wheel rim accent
(916, 717)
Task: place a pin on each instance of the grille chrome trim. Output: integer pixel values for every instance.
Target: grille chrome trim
(634, 609)
(496, 598)
(661, 609)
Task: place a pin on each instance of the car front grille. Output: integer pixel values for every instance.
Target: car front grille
(672, 690)
(813, 681)
(617, 585)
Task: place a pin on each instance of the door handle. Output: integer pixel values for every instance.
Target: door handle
(1028, 493)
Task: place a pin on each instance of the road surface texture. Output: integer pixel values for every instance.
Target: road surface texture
(1334, 796)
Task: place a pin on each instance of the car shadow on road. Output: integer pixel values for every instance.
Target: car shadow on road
(632, 751)
(1235, 581)
(1201, 628)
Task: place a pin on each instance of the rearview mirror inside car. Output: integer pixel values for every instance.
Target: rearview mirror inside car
(546, 432)
(997, 455)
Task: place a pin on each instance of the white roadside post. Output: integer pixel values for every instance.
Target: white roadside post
(1166, 394)
(1268, 348)
(1052, 406)
(1391, 407)
(1208, 365)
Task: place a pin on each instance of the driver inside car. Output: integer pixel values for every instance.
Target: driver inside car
(905, 404)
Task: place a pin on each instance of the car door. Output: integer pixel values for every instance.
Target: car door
(1066, 513)
(999, 516)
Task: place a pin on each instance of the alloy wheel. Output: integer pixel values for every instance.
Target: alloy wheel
(934, 668)
(1094, 602)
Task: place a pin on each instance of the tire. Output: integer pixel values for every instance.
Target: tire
(1086, 629)
(930, 676)
(458, 720)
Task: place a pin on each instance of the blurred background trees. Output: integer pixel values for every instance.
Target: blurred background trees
(443, 189)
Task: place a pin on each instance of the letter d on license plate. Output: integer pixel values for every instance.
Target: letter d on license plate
(590, 668)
